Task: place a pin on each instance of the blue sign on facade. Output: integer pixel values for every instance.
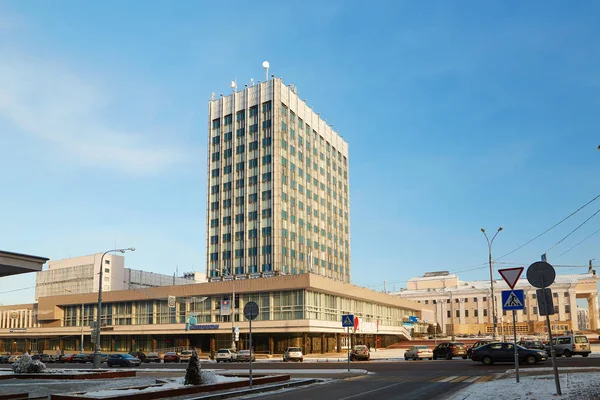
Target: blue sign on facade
(513, 300)
(348, 321)
(413, 318)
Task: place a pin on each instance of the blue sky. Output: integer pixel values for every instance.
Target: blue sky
(459, 115)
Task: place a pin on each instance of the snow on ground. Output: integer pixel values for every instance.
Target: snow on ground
(175, 383)
(574, 385)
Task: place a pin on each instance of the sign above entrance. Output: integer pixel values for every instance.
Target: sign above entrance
(207, 327)
(511, 275)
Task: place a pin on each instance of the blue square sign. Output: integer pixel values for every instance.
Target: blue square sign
(348, 321)
(513, 300)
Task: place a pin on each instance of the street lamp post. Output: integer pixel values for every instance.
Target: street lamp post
(494, 311)
(98, 349)
(227, 272)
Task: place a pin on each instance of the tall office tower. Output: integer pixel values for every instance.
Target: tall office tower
(278, 195)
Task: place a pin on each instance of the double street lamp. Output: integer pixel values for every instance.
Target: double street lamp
(494, 314)
(98, 349)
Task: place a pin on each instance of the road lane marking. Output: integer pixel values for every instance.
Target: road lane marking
(371, 391)
(448, 379)
(472, 379)
(485, 378)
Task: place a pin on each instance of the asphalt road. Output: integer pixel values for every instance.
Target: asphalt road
(393, 379)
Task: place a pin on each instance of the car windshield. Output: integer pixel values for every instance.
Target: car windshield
(244, 352)
(128, 356)
(223, 351)
(186, 352)
(421, 347)
(294, 349)
(169, 354)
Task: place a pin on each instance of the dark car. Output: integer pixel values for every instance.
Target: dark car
(4, 359)
(360, 352)
(45, 358)
(477, 344)
(68, 358)
(138, 354)
(505, 352)
(171, 357)
(152, 357)
(449, 350)
(532, 344)
(83, 358)
(123, 360)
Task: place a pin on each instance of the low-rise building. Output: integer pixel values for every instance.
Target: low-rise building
(295, 310)
(466, 307)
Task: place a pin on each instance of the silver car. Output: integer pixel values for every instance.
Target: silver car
(293, 354)
(418, 353)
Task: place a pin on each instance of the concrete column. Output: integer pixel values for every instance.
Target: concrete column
(480, 309)
(461, 309)
(30, 324)
(338, 342)
(593, 310)
(573, 316)
(271, 344)
(323, 345)
(561, 306)
(519, 316)
(444, 315)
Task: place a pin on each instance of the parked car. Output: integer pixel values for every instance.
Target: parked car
(68, 358)
(418, 353)
(45, 358)
(244, 355)
(13, 359)
(152, 357)
(570, 345)
(449, 350)
(138, 354)
(293, 354)
(360, 352)
(83, 358)
(505, 352)
(171, 357)
(532, 344)
(185, 355)
(123, 360)
(225, 355)
(477, 344)
(4, 359)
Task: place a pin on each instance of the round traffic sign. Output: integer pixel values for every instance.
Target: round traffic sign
(251, 310)
(540, 274)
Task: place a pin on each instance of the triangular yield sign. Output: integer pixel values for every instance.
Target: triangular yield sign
(511, 275)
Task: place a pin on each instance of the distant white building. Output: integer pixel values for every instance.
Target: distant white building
(80, 275)
(466, 307)
(583, 319)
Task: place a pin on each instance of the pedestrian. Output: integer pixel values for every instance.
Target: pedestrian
(369, 345)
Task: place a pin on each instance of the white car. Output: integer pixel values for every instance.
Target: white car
(13, 359)
(225, 355)
(293, 353)
(185, 356)
(418, 353)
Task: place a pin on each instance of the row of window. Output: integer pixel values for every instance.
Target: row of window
(466, 299)
(504, 312)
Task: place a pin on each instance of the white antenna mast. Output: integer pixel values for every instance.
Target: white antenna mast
(266, 66)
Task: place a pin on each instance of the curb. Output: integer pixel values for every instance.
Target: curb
(271, 388)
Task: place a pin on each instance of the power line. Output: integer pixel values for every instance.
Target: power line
(552, 227)
(574, 230)
(578, 244)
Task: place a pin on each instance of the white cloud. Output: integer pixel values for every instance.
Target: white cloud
(67, 110)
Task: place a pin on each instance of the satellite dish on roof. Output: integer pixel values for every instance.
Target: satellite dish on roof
(266, 66)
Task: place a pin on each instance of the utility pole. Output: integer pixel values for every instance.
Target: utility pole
(494, 311)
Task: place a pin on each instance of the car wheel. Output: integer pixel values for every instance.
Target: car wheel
(448, 356)
(464, 357)
(568, 353)
(585, 354)
(531, 360)
(405, 358)
(431, 358)
(487, 360)
(109, 365)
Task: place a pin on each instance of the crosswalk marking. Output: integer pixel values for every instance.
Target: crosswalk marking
(472, 379)
(485, 378)
(448, 379)
(459, 379)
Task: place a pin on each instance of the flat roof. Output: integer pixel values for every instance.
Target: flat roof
(17, 263)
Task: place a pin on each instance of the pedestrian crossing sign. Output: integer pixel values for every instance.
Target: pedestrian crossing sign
(348, 321)
(513, 300)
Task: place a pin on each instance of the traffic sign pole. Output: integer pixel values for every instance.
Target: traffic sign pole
(348, 333)
(514, 312)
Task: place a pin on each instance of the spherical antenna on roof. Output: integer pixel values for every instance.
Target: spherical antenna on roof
(266, 66)
(233, 84)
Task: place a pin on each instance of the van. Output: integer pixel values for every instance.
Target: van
(571, 345)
